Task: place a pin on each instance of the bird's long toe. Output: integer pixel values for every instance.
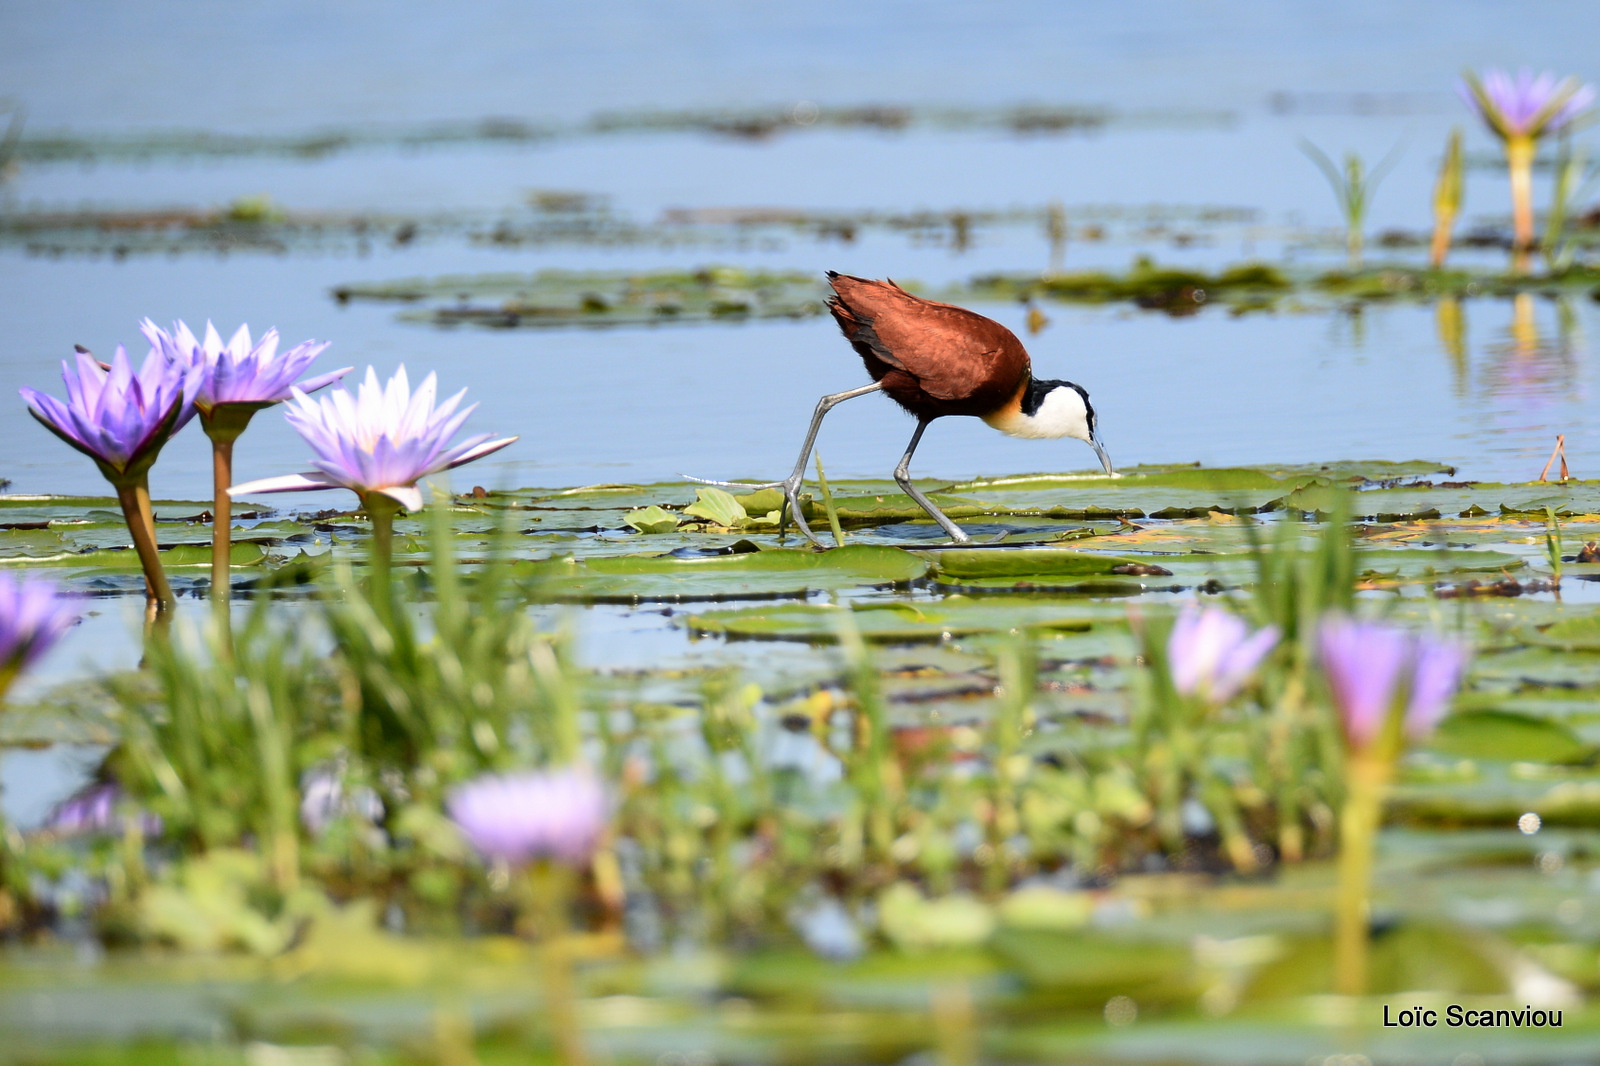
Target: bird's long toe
(750, 486)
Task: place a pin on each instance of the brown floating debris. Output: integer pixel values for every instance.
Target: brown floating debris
(1141, 570)
(1506, 586)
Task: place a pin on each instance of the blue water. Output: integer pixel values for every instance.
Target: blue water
(645, 404)
(1225, 91)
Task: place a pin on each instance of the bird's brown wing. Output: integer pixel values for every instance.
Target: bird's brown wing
(954, 354)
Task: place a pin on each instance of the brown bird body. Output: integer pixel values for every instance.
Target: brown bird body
(935, 359)
(932, 358)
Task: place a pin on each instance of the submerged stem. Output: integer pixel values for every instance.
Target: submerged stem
(135, 501)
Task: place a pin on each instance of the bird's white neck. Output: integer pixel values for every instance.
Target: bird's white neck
(1062, 413)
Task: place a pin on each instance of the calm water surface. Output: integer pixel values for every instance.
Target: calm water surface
(1225, 91)
(646, 404)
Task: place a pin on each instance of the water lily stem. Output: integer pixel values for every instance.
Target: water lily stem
(549, 885)
(1369, 775)
(135, 501)
(221, 525)
(1519, 158)
(382, 509)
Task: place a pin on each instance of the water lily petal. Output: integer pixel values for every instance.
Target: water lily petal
(1363, 662)
(1435, 676)
(307, 482)
(408, 496)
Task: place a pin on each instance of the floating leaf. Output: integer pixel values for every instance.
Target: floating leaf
(954, 616)
(748, 575)
(717, 507)
(1505, 735)
(1007, 562)
(652, 519)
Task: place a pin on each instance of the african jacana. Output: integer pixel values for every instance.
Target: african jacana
(936, 359)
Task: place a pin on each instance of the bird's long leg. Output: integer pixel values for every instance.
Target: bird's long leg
(791, 484)
(902, 475)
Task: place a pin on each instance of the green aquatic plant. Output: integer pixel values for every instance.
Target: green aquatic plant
(1293, 588)
(18, 113)
(1353, 188)
(1552, 545)
(214, 739)
(1574, 180)
(1192, 669)
(717, 507)
(652, 519)
(1446, 201)
(828, 505)
(471, 687)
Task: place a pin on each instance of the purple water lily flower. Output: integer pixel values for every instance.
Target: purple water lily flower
(33, 616)
(121, 420)
(1525, 105)
(93, 812)
(384, 440)
(238, 372)
(235, 381)
(1437, 667)
(517, 818)
(117, 417)
(1366, 664)
(1213, 653)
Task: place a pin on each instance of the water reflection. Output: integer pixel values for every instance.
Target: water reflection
(1534, 367)
(1451, 325)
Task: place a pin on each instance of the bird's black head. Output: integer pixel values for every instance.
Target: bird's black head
(1062, 412)
(1052, 408)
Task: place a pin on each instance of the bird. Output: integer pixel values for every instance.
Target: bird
(936, 359)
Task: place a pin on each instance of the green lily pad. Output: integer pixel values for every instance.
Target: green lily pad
(1505, 735)
(750, 575)
(1573, 634)
(954, 616)
(242, 553)
(652, 519)
(1008, 562)
(717, 506)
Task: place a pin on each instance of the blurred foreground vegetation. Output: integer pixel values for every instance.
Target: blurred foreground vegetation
(965, 817)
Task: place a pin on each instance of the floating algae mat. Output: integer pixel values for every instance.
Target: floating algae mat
(59, 146)
(554, 298)
(1264, 287)
(601, 298)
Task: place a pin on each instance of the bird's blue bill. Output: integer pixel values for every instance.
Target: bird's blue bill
(1105, 460)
